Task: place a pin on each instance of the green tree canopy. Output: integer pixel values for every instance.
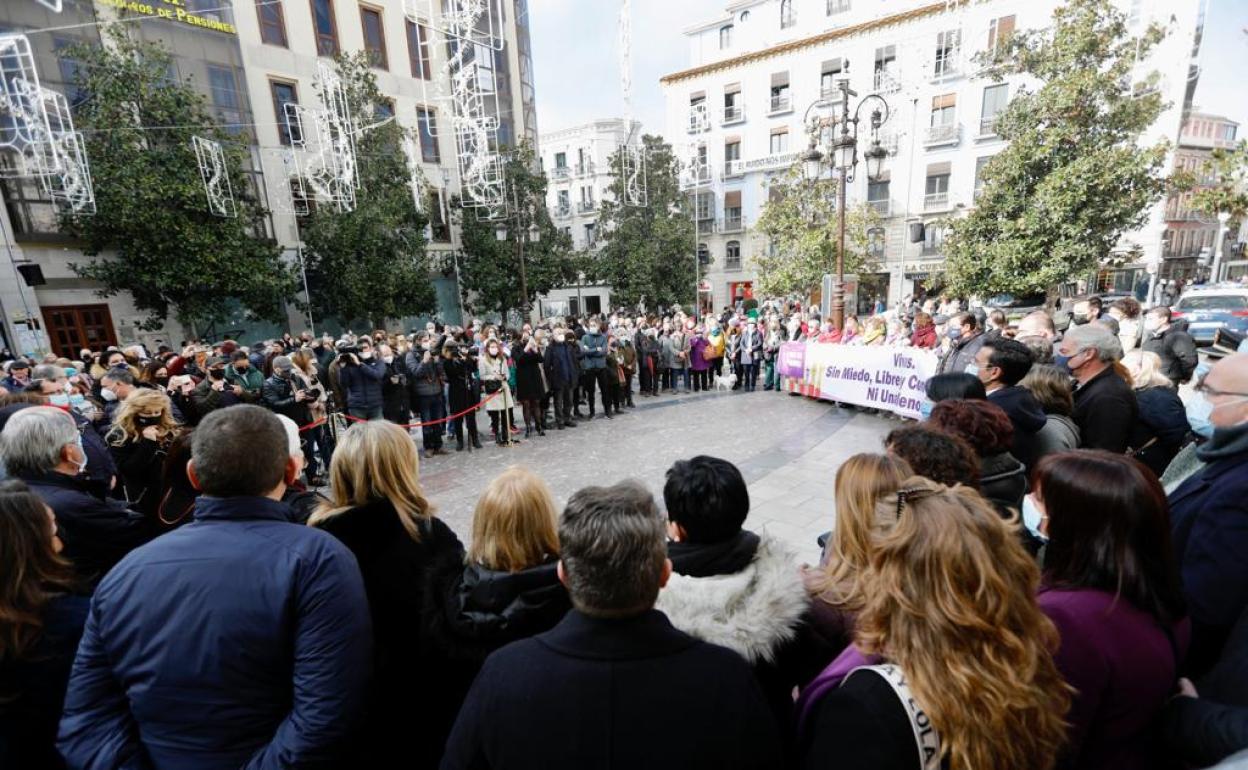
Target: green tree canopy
(1074, 177)
(152, 234)
(1222, 185)
(800, 222)
(490, 268)
(647, 252)
(370, 263)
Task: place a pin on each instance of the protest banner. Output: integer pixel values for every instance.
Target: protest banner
(887, 378)
(792, 359)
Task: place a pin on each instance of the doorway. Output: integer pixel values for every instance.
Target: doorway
(74, 327)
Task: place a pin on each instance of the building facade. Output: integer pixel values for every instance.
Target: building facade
(741, 110)
(248, 61)
(577, 164)
(1189, 242)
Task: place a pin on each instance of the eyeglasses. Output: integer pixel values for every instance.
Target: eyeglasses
(1203, 388)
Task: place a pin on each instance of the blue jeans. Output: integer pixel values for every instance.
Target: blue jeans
(431, 408)
(366, 414)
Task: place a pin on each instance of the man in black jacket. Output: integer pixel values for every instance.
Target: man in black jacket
(42, 446)
(1105, 405)
(1171, 343)
(1209, 721)
(562, 374)
(968, 338)
(281, 393)
(594, 691)
(1001, 364)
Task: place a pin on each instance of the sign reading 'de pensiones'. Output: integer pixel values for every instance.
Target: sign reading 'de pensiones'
(173, 10)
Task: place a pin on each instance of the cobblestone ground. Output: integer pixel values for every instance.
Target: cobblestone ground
(787, 447)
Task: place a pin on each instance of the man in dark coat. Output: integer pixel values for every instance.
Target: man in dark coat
(1209, 516)
(1001, 364)
(1172, 344)
(968, 338)
(239, 640)
(360, 377)
(462, 391)
(42, 446)
(594, 367)
(1209, 721)
(1105, 405)
(562, 375)
(282, 395)
(589, 693)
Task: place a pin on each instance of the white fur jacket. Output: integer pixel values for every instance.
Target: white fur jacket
(754, 611)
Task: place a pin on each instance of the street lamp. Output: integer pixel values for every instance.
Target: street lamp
(842, 157)
(532, 233)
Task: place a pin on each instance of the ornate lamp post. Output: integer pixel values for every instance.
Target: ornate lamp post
(841, 157)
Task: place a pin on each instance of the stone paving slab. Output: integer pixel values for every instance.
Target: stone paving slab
(788, 450)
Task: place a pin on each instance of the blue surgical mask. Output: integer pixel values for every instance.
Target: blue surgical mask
(1062, 362)
(1198, 410)
(972, 369)
(59, 399)
(1032, 517)
(953, 334)
(925, 409)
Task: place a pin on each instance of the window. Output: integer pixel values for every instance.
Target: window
(427, 121)
(418, 51)
(733, 111)
(732, 255)
(325, 26)
(936, 193)
(827, 77)
(591, 234)
(223, 87)
(947, 47)
(933, 239)
(995, 99)
(779, 141)
(383, 109)
(69, 69)
(1228, 132)
(944, 110)
(725, 37)
(786, 14)
(374, 37)
(704, 254)
(979, 173)
(885, 68)
(878, 195)
(561, 160)
(284, 93)
(938, 183)
(837, 6)
(732, 211)
(704, 206)
(999, 32)
(732, 150)
(565, 202)
(780, 101)
(272, 24)
(439, 230)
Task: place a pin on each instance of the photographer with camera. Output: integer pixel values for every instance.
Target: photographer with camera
(425, 384)
(360, 374)
(214, 392)
(285, 393)
(463, 391)
(396, 406)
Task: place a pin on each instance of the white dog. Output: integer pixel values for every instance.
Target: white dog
(726, 378)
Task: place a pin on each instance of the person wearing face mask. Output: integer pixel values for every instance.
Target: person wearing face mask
(1000, 365)
(1208, 515)
(248, 379)
(43, 447)
(428, 379)
(1172, 344)
(561, 375)
(285, 394)
(699, 366)
(594, 368)
(462, 391)
(212, 393)
(139, 442)
(749, 355)
(1106, 409)
(18, 377)
(495, 375)
(396, 401)
(361, 376)
(965, 339)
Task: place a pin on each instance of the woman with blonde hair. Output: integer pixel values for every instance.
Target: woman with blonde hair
(495, 374)
(143, 428)
(314, 436)
(378, 510)
(953, 661)
(1161, 428)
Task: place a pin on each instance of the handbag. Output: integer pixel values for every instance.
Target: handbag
(491, 386)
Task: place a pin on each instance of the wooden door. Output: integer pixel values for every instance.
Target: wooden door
(74, 327)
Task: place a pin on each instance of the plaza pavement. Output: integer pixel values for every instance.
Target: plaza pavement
(788, 449)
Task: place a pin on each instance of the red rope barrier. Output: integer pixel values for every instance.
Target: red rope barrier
(448, 418)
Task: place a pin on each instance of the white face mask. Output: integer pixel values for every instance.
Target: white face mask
(1033, 517)
(107, 394)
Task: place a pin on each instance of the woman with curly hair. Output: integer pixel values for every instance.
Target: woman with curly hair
(987, 428)
(953, 660)
(41, 620)
(139, 440)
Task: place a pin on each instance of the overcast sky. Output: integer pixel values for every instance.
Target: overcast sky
(576, 58)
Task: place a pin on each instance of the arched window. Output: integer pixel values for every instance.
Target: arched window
(704, 254)
(732, 256)
(786, 14)
(725, 37)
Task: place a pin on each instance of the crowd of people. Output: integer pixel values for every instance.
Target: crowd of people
(1050, 569)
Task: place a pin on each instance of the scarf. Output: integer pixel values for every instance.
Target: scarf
(708, 559)
(1224, 443)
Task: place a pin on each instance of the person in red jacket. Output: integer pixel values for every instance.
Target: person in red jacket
(924, 335)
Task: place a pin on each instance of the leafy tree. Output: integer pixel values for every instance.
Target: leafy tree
(800, 221)
(152, 220)
(647, 251)
(369, 263)
(1074, 177)
(1224, 187)
(490, 268)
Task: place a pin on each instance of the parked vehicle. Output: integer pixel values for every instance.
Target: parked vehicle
(1207, 309)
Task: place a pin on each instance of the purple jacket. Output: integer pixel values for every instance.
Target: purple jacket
(1124, 667)
(696, 361)
(829, 679)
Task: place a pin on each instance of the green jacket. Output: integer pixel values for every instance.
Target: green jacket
(251, 381)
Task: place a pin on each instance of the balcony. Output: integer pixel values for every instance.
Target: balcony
(732, 115)
(947, 134)
(586, 207)
(732, 262)
(780, 105)
(946, 68)
(732, 223)
(560, 173)
(733, 168)
(988, 126)
(838, 6)
(882, 207)
(563, 212)
(699, 120)
(885, 83)
(585, 169)
(936, 201)
(705, 226)
(697, 175)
